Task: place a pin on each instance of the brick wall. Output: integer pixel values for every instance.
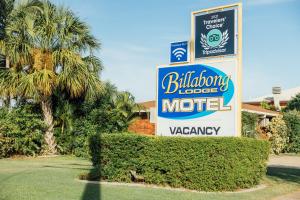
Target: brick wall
(142, 126)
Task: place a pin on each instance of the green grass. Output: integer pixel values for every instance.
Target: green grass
(55, 179)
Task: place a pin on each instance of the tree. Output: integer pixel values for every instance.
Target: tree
(6, 6)
(111, 112)
(278, 134)
(292, 121)
(50, 49)
(249, 124)
(126, 107)
(294, 103)
(63, 113)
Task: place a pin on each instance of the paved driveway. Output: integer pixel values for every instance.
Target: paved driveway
(292, 161)
(286, 161)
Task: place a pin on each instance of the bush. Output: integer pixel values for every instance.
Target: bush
(210, 164)
(293, 104)
(266, 105)
(249, 122)
(75, 141)
(21, 131)
(292, 121)
(6, 147)
(278, 134)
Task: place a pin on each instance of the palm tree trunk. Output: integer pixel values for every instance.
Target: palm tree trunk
(7, 62)
(50, 146)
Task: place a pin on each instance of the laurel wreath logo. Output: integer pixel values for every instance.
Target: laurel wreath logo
(205, 45)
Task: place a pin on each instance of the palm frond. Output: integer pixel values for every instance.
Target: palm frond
(41, 38)
(93, 63)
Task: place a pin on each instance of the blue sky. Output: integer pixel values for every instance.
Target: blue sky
(136, 35)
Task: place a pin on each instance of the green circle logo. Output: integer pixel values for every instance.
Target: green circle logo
(214, 37)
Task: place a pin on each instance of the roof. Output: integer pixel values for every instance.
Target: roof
(246, 107)
(147, 104)
(286, 95)
(258, 110)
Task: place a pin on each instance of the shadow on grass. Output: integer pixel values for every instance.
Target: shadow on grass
(91, 192)
(289, 174)
(63, 167)
(77, 164)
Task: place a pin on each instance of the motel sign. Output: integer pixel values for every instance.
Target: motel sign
(202, 97)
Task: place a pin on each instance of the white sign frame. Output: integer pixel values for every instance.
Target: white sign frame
(219, 59)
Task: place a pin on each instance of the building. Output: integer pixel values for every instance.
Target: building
(146, 125)
(277, 98)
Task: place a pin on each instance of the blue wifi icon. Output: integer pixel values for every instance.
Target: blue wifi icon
(179, 52)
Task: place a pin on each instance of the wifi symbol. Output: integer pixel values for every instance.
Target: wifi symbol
(179, 52)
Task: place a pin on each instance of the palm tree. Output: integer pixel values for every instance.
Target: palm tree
(63, 113)
(49, 49)
(6, 6)
(126, 106)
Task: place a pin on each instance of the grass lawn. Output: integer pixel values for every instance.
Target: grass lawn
(55, 179)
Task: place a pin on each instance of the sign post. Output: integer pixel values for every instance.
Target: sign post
(203, 98)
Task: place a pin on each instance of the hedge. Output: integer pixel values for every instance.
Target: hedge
(209, 164)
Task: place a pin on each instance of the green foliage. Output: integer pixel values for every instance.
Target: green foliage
(73, 124)
(21, 131)
(266, 105)
(49, 48)
(293, 104)
(210, 164)
(249, 123)
(111, 112)
(51, 54)
(76, 141)
(6, 7)
(278, 134)
(292, 120)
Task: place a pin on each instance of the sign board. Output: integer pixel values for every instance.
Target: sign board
(215, 33)
(203, 98)
(179, 52)
(197, 99)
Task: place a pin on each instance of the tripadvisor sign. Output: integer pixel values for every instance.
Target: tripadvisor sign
(215, 33)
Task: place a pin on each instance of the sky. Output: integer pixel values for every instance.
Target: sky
(135, 37)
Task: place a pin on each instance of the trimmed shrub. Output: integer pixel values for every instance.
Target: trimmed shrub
(292, 121)
(278, 134)
(210, 164)
(249, 123)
